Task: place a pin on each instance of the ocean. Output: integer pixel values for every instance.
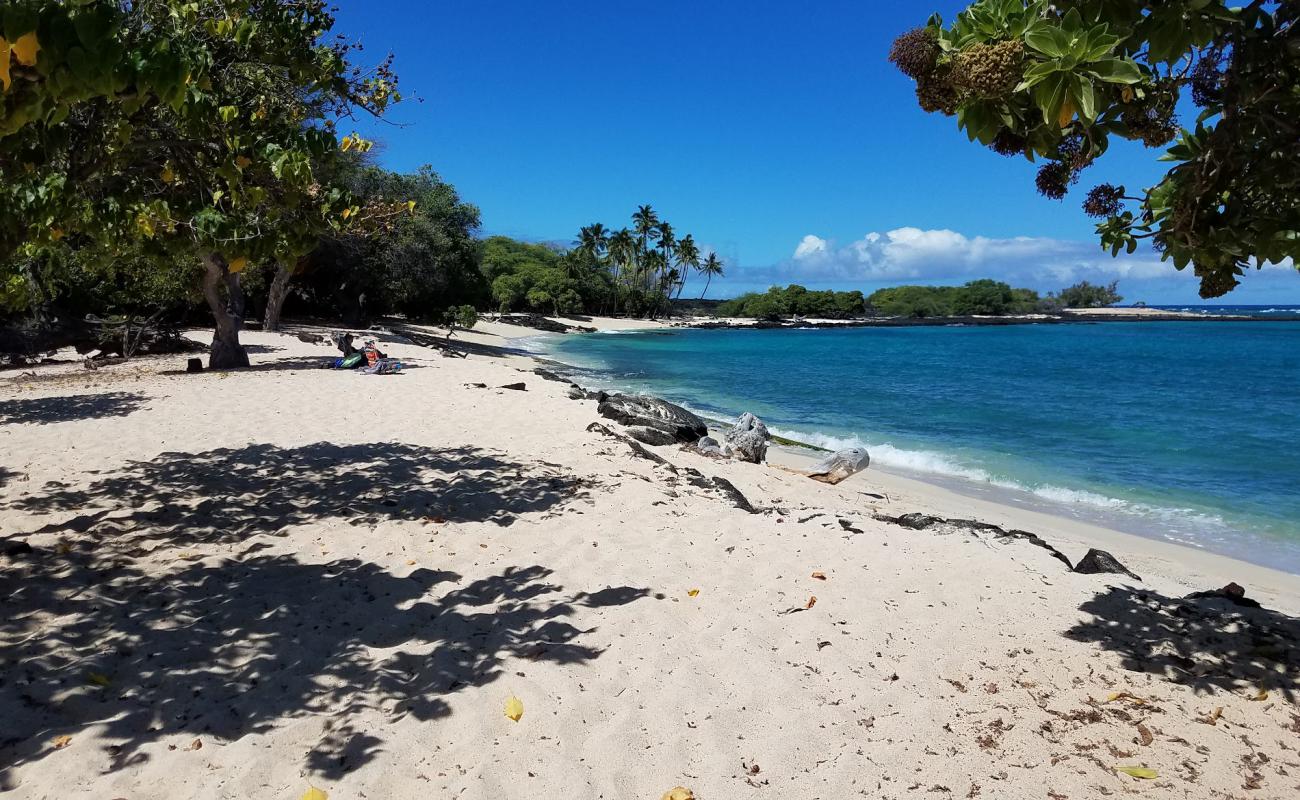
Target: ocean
(1183, 431)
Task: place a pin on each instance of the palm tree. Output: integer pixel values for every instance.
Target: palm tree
(667, 243)
(593, 240)
(622, 251)
(688, 258)
(711, 266)
(644, 222)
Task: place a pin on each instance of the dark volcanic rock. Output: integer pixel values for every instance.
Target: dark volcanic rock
(18, 549)
(652, 420)
(518, 387)
(1097, 562)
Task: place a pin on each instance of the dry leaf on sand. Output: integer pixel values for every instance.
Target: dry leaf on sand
(514, 708)
(1145, 773)
(821, 576)
(692, 592)
(61, 742)
(314, 794)
(678, 793)
(812, 601)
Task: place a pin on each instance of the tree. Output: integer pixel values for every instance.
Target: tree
(184, 131)
(983, 298)
(711, 267)
(688, 258)
(1057, 80)
(1086, 295)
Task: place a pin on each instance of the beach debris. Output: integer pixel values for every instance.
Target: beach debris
(678, 793)
(61, 742)
(747, 439)
(98, 679)
(637, 449)
(821, 576)
(723, 487)
(514, 708)
(1233, 592)
(812, 601)
(848, 526)
(1211, 718)
(1144, 773)
(314, 794)
(1145, 735)
(516, 387)
(840, 466)
(653, 421)
(1096, 562)
(921, 522)
(692, 592)
(1260, 696)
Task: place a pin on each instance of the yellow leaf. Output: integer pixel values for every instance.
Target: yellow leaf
(168, 176)
(26, 48)
(347, 212)
(236, 265)
(56, 233)
(514, 708)
(314, 794)
(1261, 696)
(243, 162)
(347, 143)
(692, 592)
(1145, 773)
(98, 679)
(1067, 113)
(145, 225)
(4, 63)
(678, 793)
(410, 206)
(1126, 94)
(61, 742)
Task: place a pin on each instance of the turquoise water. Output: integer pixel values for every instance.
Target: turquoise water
(1182, 431)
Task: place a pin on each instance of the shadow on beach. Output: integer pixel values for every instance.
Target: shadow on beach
(233, 643)
(1207, 644)
(70, 408)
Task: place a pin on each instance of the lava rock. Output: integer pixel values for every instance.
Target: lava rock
(650, 418)
(1097, 562)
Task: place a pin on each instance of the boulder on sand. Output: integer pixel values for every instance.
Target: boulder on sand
(838, 466)
(1097, 562)
(709, 446)
(651, 420)
(748, 439)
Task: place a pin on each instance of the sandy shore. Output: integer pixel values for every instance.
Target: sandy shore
(242, 585)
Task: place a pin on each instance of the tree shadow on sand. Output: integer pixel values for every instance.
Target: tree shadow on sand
(1208, 644)
(227, 494)
(70, 408)
(232, 642)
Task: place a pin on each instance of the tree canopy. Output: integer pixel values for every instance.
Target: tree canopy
(1058, 80)
(182, 131)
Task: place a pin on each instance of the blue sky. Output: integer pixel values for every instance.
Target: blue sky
(780, 138)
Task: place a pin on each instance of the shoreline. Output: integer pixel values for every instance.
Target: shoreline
(1003, 503)
(1069, 317)
(257, 582)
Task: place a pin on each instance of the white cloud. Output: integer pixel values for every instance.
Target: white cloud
(914, 254)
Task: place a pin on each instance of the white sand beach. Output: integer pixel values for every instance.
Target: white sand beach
(246, 584)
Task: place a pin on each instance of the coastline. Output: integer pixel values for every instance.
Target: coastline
(1004, 505)
(336, 580)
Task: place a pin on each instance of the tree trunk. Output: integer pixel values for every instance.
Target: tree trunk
(275, 299)
(227, 352)
(707, 280)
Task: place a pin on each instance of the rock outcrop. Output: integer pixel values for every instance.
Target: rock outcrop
(839, 466)
(748, 439)
(1099, 561)
(651, 420)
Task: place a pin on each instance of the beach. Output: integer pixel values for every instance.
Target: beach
(255, 582)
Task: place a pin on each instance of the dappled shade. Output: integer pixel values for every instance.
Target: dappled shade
(230, 493)
(1208, 644)
(70, 408)
(229, 644)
